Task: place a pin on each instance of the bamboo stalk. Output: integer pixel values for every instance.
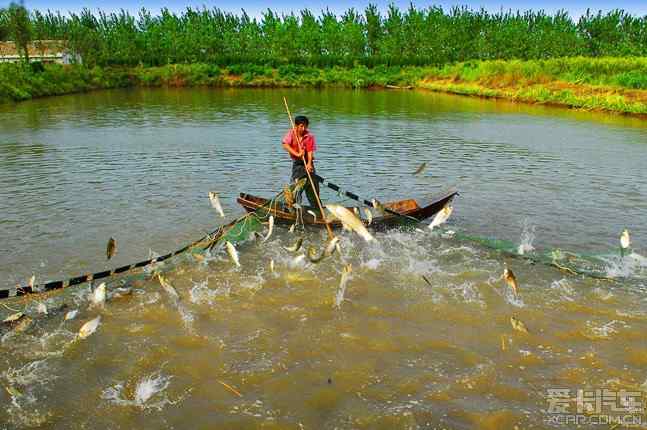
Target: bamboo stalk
(312, 184)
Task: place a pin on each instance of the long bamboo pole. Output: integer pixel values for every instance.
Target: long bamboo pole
(312, 184)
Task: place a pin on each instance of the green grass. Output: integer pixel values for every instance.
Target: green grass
(613, 84)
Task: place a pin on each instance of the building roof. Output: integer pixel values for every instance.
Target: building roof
(37, 48)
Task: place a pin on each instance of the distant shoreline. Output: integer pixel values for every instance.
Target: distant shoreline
(614, 85)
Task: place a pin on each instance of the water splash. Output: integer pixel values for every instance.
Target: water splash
(149, 393)
(527, 238)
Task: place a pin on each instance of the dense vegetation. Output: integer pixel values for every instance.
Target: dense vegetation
(430, 36)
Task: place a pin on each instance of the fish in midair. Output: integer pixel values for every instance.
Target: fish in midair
(511, 280)
(170, 289)
(215, 203)
(89, 327)
(349, 220)
(296, 246)
(71, 314)
(32, 281)
(111, 248)
(379, 206)
(99, 295)
(625, 241)
(272, 266)
(356, 212)
(426, 280)
(369, 215)
(13, 391)
(341, 290)
(442, 216)
(420, 169)
(13, 318)
(292, 227)
(518, 325)
(271, 228)
(233, 254)
(502, 343)
(314, 215)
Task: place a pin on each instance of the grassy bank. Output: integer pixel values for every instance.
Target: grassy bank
(611, 84)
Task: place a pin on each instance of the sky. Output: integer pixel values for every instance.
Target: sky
(255, 7)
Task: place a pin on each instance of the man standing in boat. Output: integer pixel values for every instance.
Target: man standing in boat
(300, 144)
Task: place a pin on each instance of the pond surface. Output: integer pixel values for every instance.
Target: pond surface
(137, 165)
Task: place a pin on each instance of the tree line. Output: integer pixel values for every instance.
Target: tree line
(428, 36)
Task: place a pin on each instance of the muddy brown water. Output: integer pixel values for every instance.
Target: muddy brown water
(247, 348)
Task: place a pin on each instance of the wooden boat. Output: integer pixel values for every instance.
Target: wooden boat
(409, 208)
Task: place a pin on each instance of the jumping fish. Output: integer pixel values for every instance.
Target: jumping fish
(272, 266)
(349, 220)
(420, 169)
(13, 318)
(625, 241)
(426, 280)
(518, 325)
(271, 228)
(296, 261)
(215, 203)
(13, 391)
(356, 212)
(314, 215)
(170, 290)
(511, 280)
(296, 246)
(312, 255)
(345, 275)
(233, 254)
(71, 314)
(369, 215)
(32, 281)
(442, 216)
(111, 248)
(379, 206)
(292, 227)
(331, 247)
(89, 327)
(99, 295)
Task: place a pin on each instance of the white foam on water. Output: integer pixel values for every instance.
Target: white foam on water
(200, 293)
(564, 289)
(372, 263)
(604, 331)
(149, 393)
(632, 265)
(467, 292)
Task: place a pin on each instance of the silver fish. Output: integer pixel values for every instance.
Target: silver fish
(32, 281)
(71, 314)
(89, 327)
(215, 203)
(233, 254)
(518, 325)
(379, 206)
(13, 318)
(170, 290)
(271, 228)
(99, 295)
(111, 248)
(442, 216)
(341, 290)
(296, 246)
(349, 220)
(356, 212)
(369, 215)
(625, 239)
(314, 215)
(331, 246)
(292, 227)
(420, 169)
(272, 266)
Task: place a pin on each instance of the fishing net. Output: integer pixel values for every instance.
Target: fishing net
(591, 265)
